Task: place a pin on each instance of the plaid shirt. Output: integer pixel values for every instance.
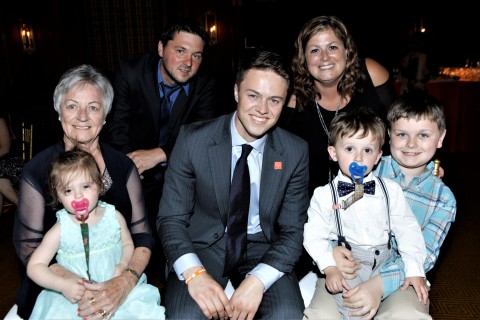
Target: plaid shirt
(434, 206)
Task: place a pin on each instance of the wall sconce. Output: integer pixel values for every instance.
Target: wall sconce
(211, 26)
(420, 27)
(28, 41)
(423, 29)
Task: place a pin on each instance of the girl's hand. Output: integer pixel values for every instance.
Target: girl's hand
(73, 289)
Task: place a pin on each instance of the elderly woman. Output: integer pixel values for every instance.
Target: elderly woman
(82, 98)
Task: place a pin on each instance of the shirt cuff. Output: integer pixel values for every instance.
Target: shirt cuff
(184, 263)
(266, 274)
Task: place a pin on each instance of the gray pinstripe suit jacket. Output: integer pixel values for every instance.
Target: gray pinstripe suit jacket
(194, 207)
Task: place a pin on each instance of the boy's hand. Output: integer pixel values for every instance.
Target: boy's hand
(420, 286)
(365, 298)
(441, 172)
(334, 280)
(345, 262)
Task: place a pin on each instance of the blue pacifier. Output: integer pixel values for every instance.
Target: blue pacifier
(357, 170)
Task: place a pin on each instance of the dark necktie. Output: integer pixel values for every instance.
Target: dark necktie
(237, 217)
(345, 188)
(165, 110)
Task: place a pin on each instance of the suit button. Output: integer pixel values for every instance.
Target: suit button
(215, 235)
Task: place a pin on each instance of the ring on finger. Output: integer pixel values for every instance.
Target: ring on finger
(102, 313)
(92, 301)
(108, 315)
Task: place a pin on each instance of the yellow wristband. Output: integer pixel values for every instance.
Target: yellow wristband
(135, 273)
(195, 274)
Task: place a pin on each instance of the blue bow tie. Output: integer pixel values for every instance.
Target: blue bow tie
(345, 188)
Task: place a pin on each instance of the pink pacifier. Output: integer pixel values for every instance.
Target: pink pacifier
(81, 206)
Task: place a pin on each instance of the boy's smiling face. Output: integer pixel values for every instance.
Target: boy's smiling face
(413, 143)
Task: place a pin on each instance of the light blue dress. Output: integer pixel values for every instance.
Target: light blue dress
(143, 302)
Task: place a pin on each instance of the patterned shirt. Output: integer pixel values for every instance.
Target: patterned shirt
(434, 206)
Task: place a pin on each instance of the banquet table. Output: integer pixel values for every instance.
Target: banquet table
(461, 101)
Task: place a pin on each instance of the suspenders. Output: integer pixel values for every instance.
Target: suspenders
(341, 238)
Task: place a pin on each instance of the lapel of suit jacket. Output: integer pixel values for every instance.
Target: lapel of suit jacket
(272, 169)
(220, 156)
(150, 80)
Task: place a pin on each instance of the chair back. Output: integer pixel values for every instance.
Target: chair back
(27, 141)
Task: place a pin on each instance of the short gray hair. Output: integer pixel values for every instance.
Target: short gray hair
(83, 74)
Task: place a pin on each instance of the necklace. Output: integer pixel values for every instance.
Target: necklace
(322, 121)
(325, 128)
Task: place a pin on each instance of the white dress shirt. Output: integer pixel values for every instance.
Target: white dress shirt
(365, 224)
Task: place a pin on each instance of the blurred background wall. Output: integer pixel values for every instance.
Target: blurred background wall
(100, 32)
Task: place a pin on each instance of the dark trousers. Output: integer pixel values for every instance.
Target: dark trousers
(304, 265)
(283, 300)
(152, 192)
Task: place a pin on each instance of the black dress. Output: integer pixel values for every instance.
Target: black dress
(11, 168)
(306, 124)
(11, 164)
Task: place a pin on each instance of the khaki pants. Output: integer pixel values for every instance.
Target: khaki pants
(398, 306)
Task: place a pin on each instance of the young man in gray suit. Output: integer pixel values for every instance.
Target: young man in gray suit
(193, 214)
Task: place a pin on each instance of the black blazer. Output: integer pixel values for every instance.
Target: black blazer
(133, 123)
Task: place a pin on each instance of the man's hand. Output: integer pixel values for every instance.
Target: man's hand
(365, 297)
(247, 298)
(209, 295)
(147, 159)
(345, 262)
